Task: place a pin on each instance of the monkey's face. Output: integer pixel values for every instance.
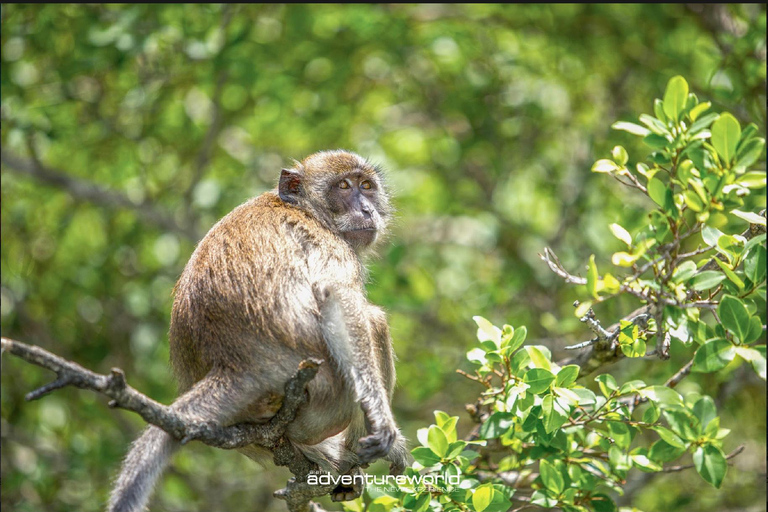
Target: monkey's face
(342, 190)
(354, 202)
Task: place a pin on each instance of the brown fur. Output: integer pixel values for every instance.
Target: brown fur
(279, 280)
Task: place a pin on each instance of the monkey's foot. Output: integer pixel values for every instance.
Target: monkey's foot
(346, 492)
(349, 492)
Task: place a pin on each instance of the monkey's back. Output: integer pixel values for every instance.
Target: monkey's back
(245, 301)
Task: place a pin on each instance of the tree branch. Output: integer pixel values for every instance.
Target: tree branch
(673, 469)
(96, 194)
(269, 435)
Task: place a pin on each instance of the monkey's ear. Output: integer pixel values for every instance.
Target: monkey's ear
(289, 188)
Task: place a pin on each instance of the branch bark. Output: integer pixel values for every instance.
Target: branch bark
(298, 494)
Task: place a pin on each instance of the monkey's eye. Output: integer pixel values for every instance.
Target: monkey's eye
(344, 184)
(366, 185)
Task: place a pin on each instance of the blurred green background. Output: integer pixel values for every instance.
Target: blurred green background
(128, 130)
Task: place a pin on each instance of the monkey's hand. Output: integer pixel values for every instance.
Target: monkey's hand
(376, 445)
(398, 457)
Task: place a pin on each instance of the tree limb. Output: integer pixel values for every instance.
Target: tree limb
(96, 194)
(269, 435)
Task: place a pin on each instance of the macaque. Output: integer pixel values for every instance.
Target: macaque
(276, 281)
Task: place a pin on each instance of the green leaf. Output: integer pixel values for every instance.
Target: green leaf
(607, 384)
(726, 133)
(551, 477)
(755, 179)
(754, 357)
(540, 356)
(477, 356)
(661, 395)
(606, 166)
(749, 153)
(539, 380)
(455, 448)
(622, 259)
(567, 375)
(602, 503)
(482, 497)
(437, 440)
(705, 410)
(634, 129)
(651, 414)
(698, 110)
(684, 272)
(382, 504)
(710, 235)
(418, 503)
(636, 349)
(592, 277)
(693, 201)
(447, 424)
(755, 329)
(703, 122)
(670, 437)
(662, 451)
(554, 413)
(730, 273)
(515, 341)
(620, 433)
(713, 355)
(675, 97)
(658, 111)
(710, 464)
(750, 217)
(707, 280)
(425, 456)
(643, 463)
(734, 316)
(655, 141)
(657, 191)
(755, 265)
(621, 233)
(654, 124)
(620, 155)
(487, 331)
(496, 425)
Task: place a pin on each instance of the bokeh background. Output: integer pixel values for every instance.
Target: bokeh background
(128, 130)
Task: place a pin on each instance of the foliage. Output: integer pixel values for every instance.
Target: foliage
(486, 117)
(560, 444)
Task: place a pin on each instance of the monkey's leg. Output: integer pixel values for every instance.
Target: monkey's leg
(216, 398)
(347, 332)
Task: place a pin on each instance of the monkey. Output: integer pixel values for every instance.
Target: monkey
(278, 280)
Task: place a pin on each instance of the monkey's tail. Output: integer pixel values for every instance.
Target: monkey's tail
(142, 467)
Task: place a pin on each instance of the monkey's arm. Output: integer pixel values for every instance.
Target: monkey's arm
(347, 332)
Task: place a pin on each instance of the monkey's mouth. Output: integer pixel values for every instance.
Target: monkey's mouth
(360, 237)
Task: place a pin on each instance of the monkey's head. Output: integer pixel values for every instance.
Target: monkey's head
(342, 190)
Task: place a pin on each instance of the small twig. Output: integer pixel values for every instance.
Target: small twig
(673, 469)
(593, 323)
(680, 375)
(583, 344)
(663, 338)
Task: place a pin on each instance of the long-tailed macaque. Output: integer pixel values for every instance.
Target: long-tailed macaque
(276, 281)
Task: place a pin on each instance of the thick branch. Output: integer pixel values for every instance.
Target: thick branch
(297, 493)
(176, 424)
(84, 190)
